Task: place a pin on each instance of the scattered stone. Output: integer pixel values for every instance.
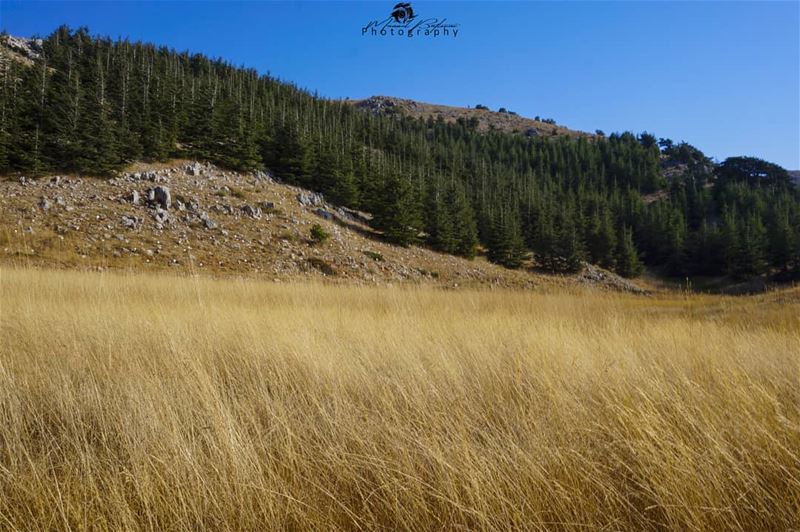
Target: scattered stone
(207, 221)
(161, 217)
(264, 176)
(30, 48)
(592, 275)
(60, 201)
(135, 199)
(132, 222)
(44, 204)
(194, 169)
(310, 199)
(322, 213)
(160, 196)
(253, 212)
(353, 215)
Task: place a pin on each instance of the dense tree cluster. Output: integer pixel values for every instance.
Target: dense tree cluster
(92, 105)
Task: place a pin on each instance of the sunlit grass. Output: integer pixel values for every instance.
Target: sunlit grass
(156, 402)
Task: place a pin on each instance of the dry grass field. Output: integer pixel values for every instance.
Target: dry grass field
(133, 402)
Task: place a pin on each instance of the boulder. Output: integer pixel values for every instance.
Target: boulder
(207, 221)
(160, 196)
(135, 197)
(253, 212)
(264, 176)
(322, 213)
(194, 168)
(161, 217)
(309, 199)
(131, 222)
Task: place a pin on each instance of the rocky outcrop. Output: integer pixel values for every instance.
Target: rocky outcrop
(594, 276)
(160, 196)
(310, 199)
(27, 48)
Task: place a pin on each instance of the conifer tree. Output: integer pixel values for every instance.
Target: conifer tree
(396, 211)
(465, 229)
(440, 224)
(91, 105)
(627, 259)
(602, 241)
(506, 245)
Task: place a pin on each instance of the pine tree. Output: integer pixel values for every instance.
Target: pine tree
(781, 239)
(568, 255)
(748, 253)
(91, 105)
(602, 241)
(627, 260)
(506, 245)
(396, 211)
(465, 229)
(345, 191)
(287, 155)
(440, 224)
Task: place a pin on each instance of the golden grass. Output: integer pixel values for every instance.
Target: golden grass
(156, 402)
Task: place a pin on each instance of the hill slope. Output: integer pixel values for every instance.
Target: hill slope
(483, 119)
(90, 106)
(225, 223)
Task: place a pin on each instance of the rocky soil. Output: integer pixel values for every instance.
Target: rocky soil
(487, 120)
(192, 217)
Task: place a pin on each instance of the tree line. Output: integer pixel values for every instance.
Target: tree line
(92, 105)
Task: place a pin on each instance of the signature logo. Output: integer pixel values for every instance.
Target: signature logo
(403, 22)
(402, 12)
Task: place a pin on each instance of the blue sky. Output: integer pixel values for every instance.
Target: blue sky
(724, 76)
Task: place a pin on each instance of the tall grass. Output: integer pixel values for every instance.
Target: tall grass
(153, 402)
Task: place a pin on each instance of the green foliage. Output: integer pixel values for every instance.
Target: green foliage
(752, 171)
(451, 225)
(92, 105)
(396, 211)
(602, 241)
(627, 258)
(506, 245)
(319, 234)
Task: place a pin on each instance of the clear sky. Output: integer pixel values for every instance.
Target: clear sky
(724, 76)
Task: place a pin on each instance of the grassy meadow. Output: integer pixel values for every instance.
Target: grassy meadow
(147, 402)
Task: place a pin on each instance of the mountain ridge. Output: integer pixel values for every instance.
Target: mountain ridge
(483, 119)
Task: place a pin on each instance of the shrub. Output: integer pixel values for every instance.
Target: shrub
(318, 234)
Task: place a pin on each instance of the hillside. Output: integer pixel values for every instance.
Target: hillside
(467, 184)
(483, 119)
(226, 223)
